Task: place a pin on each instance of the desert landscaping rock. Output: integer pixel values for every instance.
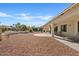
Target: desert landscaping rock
(29, 45)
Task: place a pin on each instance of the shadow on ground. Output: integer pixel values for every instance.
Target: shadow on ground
(70, 39)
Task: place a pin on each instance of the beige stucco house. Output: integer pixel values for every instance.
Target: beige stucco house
(66, 23)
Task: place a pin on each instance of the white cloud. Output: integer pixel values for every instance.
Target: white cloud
(24, 16)
(4, 15)
(44, 17)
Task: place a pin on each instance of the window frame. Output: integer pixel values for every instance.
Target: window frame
(64, 28)
(56, 29)
(78, 26)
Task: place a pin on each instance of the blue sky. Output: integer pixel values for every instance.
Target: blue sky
(29, 13)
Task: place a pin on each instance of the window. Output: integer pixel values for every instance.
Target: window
(63, 28)
(78, 26)
(56, 29)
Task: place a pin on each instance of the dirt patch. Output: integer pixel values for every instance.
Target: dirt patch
(29, 45)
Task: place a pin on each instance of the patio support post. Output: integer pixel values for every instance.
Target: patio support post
(52, 30)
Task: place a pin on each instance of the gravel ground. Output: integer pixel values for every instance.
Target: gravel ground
(29, 45)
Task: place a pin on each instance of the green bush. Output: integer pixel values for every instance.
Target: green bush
(30, 30)
(4, 29)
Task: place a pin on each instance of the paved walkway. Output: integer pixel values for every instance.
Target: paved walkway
(70, 44)
(60, 39)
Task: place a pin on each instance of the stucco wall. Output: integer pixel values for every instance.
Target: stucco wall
(70, 18)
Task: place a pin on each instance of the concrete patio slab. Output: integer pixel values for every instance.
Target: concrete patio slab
(43, 35)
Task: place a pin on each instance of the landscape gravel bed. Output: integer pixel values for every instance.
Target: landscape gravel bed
(29, 45)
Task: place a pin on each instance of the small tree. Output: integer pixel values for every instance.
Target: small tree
(30, 29)
(34, 28)
(18, 26)
(23, 27)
